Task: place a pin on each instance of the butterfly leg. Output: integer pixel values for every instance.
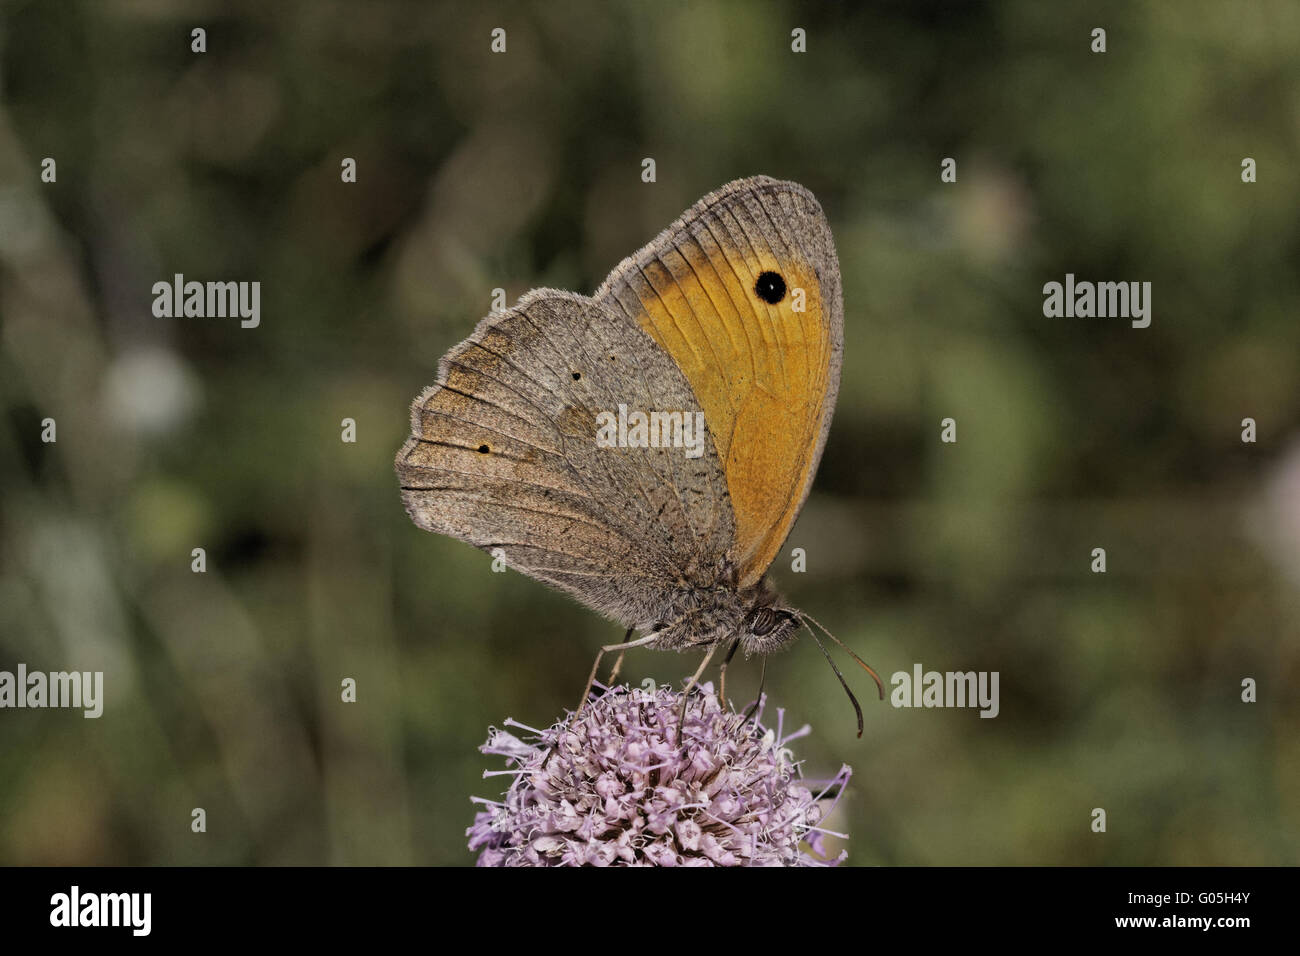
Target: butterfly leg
(626, 645)
(690, 685)
(591, 678)
(758, 699)
(618, 664)
(722, 673)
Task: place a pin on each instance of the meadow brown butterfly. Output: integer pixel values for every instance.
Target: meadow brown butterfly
(647, 450)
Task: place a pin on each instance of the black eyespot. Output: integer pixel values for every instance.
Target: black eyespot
(577, 376)
(770, 287)
(483, 449)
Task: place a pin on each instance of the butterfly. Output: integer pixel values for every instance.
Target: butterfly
(647, 449)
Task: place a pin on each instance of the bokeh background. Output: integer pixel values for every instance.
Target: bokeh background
(479, 170)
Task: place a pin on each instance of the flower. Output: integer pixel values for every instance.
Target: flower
(614, 786)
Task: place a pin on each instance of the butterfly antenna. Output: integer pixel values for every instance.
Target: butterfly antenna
(843, 683)
(880, 686)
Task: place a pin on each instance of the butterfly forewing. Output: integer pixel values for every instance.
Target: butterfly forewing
(743, 291)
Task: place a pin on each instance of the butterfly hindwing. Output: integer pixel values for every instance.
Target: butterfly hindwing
(503, 454)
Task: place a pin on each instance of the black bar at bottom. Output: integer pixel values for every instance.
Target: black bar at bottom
(333, 904)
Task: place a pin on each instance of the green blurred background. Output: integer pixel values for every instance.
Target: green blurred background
(478, 170)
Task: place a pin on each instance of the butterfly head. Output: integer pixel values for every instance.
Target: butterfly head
(768, 628)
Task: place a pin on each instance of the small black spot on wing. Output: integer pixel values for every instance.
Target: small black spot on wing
(770, 287)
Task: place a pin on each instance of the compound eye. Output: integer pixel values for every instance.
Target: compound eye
(762, 621)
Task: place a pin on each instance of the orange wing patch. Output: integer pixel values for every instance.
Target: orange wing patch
(765, 373)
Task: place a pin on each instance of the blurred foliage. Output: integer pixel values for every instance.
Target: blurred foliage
(478, 170)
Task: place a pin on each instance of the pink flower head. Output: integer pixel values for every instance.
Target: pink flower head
(616, 787)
